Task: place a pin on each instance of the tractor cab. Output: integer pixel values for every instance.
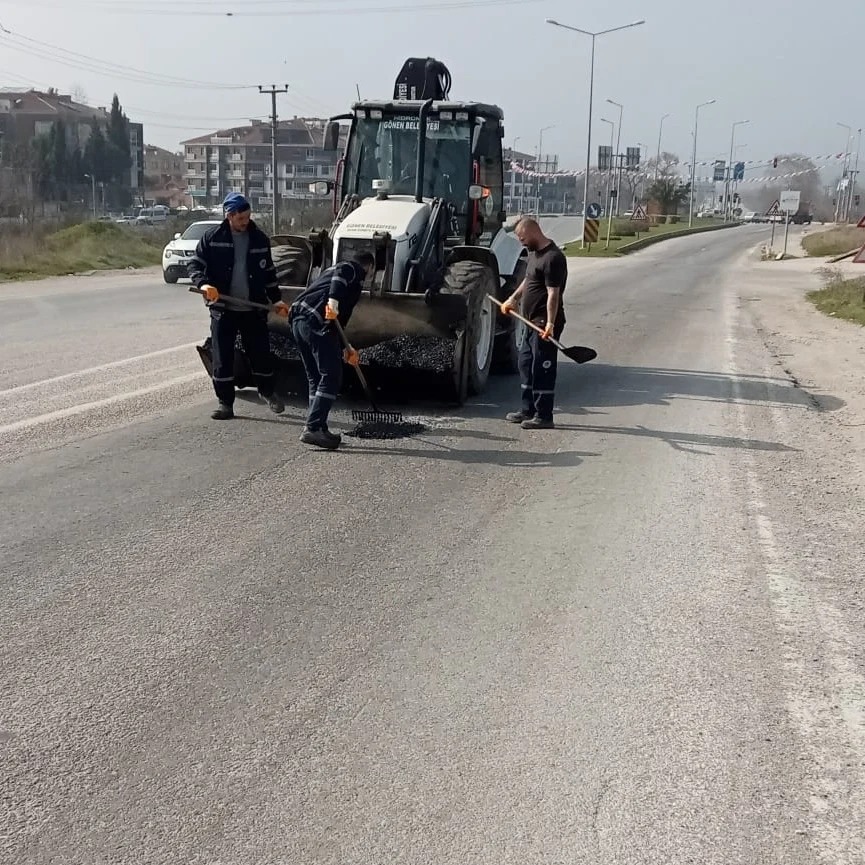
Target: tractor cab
(423, 152)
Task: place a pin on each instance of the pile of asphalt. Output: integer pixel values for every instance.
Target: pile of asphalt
(428, 353)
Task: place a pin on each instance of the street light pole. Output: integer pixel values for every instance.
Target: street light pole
(694, 161)
(658, 158)
(618, 151)
(839, 210)
(607, 200)
(850, 198)
(514, 171)
(93, 195)
(538, 166)
(728, 206)
(591, 94)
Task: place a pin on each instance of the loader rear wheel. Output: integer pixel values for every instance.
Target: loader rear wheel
(292, 265)
(473, 354)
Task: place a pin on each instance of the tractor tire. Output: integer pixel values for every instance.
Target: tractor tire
(473, 353)
(506, 354)
(292, 265)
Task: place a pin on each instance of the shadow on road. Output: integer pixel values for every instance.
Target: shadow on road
(604, 385)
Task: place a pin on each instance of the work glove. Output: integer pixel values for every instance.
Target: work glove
(508, 307)
(548, 331)
(351, 356)
(331, 311)
(280, 308)
(211, 293)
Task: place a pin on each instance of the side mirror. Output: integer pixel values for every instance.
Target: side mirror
(177, 235)
(476, 193)
(320, 187)
(331, 136)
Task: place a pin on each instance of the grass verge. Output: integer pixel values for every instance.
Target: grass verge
(833, 241)
(617, 241)
(81, 248)
(841, 298)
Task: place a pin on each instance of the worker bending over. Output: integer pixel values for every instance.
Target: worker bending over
(541, 293)
(233, 261)
(331, 297)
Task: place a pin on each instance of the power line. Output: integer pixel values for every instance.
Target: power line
(278, 9)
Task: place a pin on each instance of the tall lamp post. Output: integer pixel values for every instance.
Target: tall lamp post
(841, 192)
(728, 204)
(694, 161)
(607, 201)
(618, 151)
(593, 36)
(538, 165)
(658, 157)
(514, 171)
(851, 197)
(93, 184)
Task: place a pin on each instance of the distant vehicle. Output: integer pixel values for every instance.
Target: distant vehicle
(157, 214)
(801, 218)
(178, 252)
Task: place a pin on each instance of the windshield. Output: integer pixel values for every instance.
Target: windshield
(197, 231)
(386, 148)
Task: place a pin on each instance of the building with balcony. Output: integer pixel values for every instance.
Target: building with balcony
(239, 160)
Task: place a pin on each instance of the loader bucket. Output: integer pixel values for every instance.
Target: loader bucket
(378, 318)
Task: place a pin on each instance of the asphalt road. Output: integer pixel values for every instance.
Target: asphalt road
(600, 644)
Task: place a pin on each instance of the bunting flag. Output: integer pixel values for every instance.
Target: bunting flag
(638, 175)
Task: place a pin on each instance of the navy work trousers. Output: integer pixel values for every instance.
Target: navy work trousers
(321, 354)
(538, 361)
(225, 324)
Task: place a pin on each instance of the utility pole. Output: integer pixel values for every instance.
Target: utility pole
(273, 90)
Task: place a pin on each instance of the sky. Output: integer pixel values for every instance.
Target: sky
(186, 67)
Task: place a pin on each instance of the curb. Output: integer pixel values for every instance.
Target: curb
(670, 235)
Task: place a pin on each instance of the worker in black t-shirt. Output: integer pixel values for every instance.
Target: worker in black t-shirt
(541, 293)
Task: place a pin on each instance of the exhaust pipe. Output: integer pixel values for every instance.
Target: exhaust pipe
(421, 150)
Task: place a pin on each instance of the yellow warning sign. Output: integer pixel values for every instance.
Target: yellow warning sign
(590, 231)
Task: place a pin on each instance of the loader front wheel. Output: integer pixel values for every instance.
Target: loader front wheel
(473, 353)
(292, 265)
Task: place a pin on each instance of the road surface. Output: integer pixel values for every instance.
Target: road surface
(622, 641)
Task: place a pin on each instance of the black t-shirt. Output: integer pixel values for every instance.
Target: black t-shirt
(545, 268)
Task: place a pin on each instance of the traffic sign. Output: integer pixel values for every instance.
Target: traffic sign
(790, 200)
(639, 214)
(593, 211)
(861, 223)
(775, 209)
(590, 231)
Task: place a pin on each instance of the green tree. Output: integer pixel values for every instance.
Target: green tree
(96, 154)
(118, 143)
(669, 192)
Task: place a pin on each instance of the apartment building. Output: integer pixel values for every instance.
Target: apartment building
(527, 193)
(239, 160)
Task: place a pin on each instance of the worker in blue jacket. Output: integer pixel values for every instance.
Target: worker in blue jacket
(332, 296)
(233, 261)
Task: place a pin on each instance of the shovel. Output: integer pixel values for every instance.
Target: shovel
(248, 304)
(577, 353)
(376, 416)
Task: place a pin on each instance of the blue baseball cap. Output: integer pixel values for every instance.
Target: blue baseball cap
(235, 203)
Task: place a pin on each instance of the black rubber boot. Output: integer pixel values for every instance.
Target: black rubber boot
(223, 412)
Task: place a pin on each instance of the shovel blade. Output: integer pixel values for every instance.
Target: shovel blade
(580, 353)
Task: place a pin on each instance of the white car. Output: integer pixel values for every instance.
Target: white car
(178, 252)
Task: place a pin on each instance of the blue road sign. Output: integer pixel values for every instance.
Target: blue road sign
(593, 211)
(739, 171)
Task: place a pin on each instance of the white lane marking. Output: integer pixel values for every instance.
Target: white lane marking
(95, 369)
(101, 403)
(825, 703)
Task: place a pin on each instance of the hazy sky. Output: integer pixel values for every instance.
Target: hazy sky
(792, 68)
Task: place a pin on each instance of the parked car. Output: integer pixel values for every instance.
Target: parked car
(178, 252)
